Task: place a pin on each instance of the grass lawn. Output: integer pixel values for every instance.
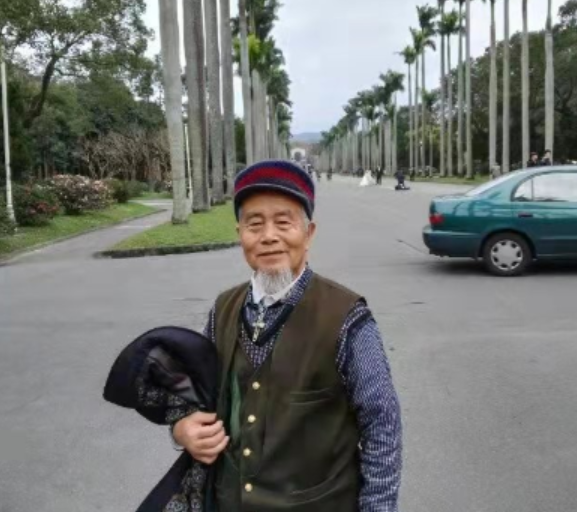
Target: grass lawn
(216, 226)
(455, 180)
(66, 225)
(155, 195)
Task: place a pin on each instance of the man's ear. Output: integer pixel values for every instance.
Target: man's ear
(312, 230)
(238, 229)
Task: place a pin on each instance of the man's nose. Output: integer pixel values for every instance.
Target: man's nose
(269, 233)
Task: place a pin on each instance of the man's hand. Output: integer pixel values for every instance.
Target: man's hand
(201, 436)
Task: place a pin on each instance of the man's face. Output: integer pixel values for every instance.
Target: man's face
(274, 234)
(534, 158)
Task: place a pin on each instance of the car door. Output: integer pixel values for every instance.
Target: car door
(546, 209)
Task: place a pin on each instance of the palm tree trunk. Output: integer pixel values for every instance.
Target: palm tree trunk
(215, 112)
(460, 100)
(196, 87)
(395, 136)
(450, 132)
(411, 135)
(416, 123)
(549, 85)
(382, 147)
(506, 93)
(227, 95)
(493, 93)
(469, 97)
(423, 112)
(170, 45)
(525, 87)
(442, 120)
(246, 83)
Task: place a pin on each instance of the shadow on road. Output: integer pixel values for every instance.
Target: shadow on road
(471, 267)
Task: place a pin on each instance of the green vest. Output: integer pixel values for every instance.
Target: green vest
(295, 440)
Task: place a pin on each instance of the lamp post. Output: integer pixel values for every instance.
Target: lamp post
(9, 203)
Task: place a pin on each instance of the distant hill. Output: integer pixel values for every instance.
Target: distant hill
(307, 137)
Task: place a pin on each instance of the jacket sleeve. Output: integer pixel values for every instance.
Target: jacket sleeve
(366, 374)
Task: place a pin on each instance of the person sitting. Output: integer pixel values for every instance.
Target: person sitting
(547, 159)
(400, 177)
(534, 160)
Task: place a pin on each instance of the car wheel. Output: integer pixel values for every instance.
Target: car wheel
(507, 255)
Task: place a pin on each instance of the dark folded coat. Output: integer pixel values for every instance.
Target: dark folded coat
(164, 375)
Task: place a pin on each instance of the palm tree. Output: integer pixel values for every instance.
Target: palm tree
(549, 84)
(227, 95)
(468, 95)
(367, 103)
(410, 57)
(525, 86)
(450, 26)
(441, 4)
(394, 82)
(383, 95)
(418, 47)
(460, 99)
(278, 94)
(246, 82)
(493, 92)
(430, 99)
(170, 44)
(506, 93)
(352, 114)
(427, 15)
(196, 88)
(214, 111)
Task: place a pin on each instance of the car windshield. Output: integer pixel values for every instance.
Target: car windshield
(481, 189)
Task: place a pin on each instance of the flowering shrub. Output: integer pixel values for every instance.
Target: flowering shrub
(34, 204)
(78, 194)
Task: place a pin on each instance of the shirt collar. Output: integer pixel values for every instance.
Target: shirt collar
(258, 294)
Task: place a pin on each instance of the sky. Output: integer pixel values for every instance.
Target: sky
(335, 48)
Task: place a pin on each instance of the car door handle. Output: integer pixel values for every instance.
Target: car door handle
(524, 215)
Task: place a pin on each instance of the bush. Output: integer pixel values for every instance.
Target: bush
(78, 194)
(7, 227)
(136, 188)
(34, 204)
(120, 190)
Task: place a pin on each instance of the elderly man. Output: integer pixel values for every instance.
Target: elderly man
(308, 419)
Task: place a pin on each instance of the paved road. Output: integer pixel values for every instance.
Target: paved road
(485, 367)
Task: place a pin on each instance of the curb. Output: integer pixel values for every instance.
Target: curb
(4, 260)
(165, 251)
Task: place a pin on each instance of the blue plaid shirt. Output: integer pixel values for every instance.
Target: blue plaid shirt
(364, 368)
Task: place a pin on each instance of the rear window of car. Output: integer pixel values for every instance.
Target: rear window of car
(481, 189)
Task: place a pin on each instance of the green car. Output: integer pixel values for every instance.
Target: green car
(509, 222)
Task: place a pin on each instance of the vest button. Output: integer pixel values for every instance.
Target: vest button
(256, 386)
(248, 487)
(246, 452)
(252, 418)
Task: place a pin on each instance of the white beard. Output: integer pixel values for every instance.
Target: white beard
(273, 282)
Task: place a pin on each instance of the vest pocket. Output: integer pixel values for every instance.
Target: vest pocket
(316, 492)
(303, 397)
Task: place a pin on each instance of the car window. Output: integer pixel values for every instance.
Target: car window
(553, 187)
(481, 189)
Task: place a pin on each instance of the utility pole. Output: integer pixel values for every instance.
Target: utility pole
(9, 202)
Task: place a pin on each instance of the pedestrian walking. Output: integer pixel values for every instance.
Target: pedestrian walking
(308, 418)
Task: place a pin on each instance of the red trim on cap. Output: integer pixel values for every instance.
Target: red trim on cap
(274, 173)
